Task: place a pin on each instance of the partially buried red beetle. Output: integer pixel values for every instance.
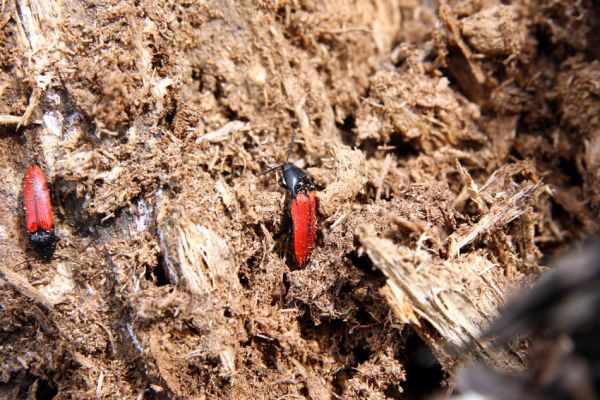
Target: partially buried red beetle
(39, 219)
(302, 206)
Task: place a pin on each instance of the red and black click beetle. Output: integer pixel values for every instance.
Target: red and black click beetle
(302, 206)
(39, 218)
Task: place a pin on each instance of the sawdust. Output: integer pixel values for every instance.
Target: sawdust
(455, 147)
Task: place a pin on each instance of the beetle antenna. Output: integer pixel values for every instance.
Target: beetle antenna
(289, 152)
(271, 170)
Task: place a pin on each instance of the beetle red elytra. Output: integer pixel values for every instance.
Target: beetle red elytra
(39, 218)
(302, 207)
(304, 221)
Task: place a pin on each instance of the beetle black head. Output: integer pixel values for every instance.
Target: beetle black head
(44, 242)
(296, 180)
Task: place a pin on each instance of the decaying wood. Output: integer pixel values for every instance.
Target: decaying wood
(448, 303)
(22, 285)
(451, 301)
(500, 214)
(449, 165)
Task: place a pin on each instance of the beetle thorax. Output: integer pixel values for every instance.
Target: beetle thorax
(295, 179)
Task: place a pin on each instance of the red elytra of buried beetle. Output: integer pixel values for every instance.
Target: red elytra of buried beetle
(39, 218)
(302, 206)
